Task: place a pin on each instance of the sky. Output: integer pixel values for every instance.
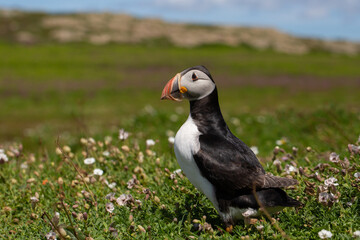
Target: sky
(330, 19)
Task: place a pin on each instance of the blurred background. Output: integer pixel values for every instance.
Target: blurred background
(285, 70)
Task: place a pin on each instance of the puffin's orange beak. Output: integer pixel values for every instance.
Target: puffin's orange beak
(172, 89)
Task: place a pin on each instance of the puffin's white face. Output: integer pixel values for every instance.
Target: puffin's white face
(191, 84)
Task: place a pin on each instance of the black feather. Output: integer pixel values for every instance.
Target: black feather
(230, 165)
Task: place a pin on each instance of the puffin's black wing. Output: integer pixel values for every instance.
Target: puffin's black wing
(231, 165)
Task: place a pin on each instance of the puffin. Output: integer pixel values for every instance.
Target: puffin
(215, 161)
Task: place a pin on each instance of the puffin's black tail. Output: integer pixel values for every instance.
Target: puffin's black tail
(269, 197)
(273, 197)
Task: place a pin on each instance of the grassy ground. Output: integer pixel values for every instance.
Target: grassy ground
(69, 92)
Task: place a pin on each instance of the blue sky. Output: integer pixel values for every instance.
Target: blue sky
(333, 19)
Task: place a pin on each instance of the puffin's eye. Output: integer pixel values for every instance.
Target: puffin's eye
(194, 77)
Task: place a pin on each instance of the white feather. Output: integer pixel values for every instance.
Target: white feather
(186, 144)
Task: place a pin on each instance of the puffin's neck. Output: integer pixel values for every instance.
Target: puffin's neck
(207, 115)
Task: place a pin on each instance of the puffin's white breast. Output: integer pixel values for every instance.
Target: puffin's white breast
(186, 144)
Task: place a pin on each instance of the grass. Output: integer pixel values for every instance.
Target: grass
(63, 93)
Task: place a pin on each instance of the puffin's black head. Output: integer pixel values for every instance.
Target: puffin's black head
(193, 84)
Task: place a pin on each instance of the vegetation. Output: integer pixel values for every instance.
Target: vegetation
(63, 104)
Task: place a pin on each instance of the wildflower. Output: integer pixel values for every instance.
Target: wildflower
(91, 141)
(180, 110)
(357, 175)
(110, 207)
(324, 234)
(277, 163)
(356, 234)
(260, 227)
(255, 150)
(131, 183)
(114, 231)
(51, 236)
(125, 148)
(235, 121)
(149, 110)
(327, 199)
(331, 182)
(24, 165)
(335, 158)
(290, 168)
(150, 142)
(353, 148)
(3, 157)
(177, 171)
(324, 197)
(141, 228)
(110, 185)
(174, 117)
(98, 171)
(106, 153)
(56, 218)
(171, 140)
(89, 161)
(110, 196)
(140, 157)
(124, 199)
(34, 200)
(281, 141)
(123, 135)
(83, 141)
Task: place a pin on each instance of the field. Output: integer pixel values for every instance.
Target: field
(63, 103)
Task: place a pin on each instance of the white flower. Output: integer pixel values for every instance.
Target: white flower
(335, 158)
(357, 175)
(3, 157)
(325, 197)
(177, 171)
(98, 171)
(255, 150)
(174, 117)
(323, 234)
(235, 121)
(149, 110)
(1, 150)
(34, 199)
(281, 141)
(24, 165)
(131, 183)
(89, 161)
(180, 110)
(123, 135)
(290, 168)
(356, 234)
(111, 185)
(106, 153)
(331, 182)
(260, 227)
(150, 142)
(353, 148)
(51, 236)
(110, 196)
(124, 199)
(171, 140)
(110, 207)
